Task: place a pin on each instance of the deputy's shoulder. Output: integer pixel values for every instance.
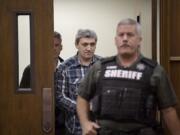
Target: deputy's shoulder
(108, 59)
(149, 62)
(99, 63)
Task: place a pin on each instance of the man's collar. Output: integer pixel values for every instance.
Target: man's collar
(93, 59)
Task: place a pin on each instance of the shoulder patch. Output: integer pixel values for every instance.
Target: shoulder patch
(149, 62)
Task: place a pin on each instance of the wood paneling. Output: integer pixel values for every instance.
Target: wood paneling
(175, 28)
(169, 42)
(154, 29)
(164, 33)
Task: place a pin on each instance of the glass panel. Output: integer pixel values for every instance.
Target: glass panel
(23, 24)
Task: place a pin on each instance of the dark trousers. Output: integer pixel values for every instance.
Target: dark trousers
(144, 131)
(60, 131)
(60, 128)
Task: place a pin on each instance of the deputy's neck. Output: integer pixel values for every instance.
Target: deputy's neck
(127, 61)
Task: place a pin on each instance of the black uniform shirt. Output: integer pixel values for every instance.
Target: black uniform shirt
(165, 93)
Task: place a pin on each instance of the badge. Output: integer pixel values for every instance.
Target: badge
(111, 67)
(140, 66)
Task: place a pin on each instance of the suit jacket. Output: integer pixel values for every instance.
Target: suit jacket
(25, 80)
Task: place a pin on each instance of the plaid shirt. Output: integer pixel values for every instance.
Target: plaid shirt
(68, 77)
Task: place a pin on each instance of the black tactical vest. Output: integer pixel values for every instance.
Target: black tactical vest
(125, 94)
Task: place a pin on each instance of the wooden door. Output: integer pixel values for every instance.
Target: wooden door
(170, 42)
(26, 112)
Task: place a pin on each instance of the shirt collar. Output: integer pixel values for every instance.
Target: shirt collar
(78, 63)
(60, 60)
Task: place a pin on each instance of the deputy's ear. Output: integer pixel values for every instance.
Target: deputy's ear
(115, 40)
(76, 45)
(140, 38)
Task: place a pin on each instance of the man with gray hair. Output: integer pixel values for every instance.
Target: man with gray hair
(126, 90)
(69, 75)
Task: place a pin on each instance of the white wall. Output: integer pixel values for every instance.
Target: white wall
(101, 16)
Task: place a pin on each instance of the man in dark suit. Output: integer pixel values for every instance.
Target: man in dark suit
(26, 83)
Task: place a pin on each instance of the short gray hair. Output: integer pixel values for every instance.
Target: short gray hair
(57, 35)
(85, 33)
(129, 21)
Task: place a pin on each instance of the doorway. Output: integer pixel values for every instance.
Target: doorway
(101, 16)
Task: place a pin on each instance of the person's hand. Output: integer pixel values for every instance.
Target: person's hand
(90, 128)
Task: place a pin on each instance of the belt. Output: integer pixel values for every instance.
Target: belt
(121, 126)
